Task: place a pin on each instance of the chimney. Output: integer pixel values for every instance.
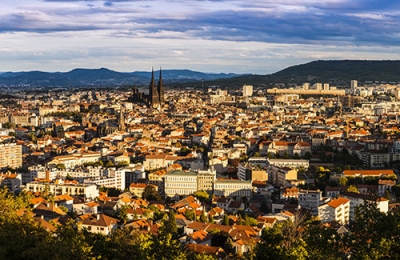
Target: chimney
(98, 216)
(48, 175)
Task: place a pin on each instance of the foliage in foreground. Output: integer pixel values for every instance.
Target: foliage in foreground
(373, 235)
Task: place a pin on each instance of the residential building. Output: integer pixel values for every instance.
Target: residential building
(59, 188)
(311, 200)
(233, 188)
(337, 210)
(99, 223)
(357, 199)
(11, 155)
(179, 183)
(293, 163)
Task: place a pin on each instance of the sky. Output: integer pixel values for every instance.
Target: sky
(252, 36)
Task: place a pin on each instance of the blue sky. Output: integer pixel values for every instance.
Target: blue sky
(252, 36)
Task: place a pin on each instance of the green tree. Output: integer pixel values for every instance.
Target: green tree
(60, 166)
(151, 194)
(123, 214)
(203, 216)
(190, 214)
(32, 136)
(210, 219)
(343, 181)
(373, 234)
(226, 219)
(202, 195)
(9, 125)
(283, 241)
(166, 245)
(352, 188)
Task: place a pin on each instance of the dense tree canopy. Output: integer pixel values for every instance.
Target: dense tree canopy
(372, 235)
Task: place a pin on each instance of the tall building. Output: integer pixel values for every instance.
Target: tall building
(11, 155)
(354, 84)
(247, 90)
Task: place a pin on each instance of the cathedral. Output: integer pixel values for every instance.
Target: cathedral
(155, 98)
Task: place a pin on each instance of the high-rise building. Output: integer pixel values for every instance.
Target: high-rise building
(11, 155)
(354, 84)
(247, 90)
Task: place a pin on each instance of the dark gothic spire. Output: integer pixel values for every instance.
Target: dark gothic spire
(160, 88)
(153, 93)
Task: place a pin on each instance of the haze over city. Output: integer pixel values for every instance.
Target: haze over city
(212, 36)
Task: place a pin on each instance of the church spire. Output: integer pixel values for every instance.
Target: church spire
(154, 99)
(160, 88)
(121, 120)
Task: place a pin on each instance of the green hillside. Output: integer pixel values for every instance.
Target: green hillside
(338, 72)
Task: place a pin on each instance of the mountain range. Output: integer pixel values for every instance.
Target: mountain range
(102, 77)
(337, 72)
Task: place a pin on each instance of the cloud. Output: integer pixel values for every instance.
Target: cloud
(182, 28)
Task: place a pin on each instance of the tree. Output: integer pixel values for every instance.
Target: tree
(283, 241)
(151, 194)
(203, 216)
(109, 164)
(352, 188)
(190, 214)
(307, 156)
(32, 136)
(322, 242)
(123, 214)
(264, 207)
(60, 166)
(8, 125)
(202, 195)
(374, 240)
(166, 245)
(226, 219)
(210, 219)
(343, 181)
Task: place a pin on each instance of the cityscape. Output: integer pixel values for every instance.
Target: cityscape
(226, 165)
(199, 130)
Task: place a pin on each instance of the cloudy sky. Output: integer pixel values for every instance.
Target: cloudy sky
(252, 36)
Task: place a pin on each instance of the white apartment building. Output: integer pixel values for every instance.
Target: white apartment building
(180, 183)
(73, 160)
(87, 190)
(280, 176)
(311, 200)
(11, 155)
(337, 210)
(233, 188)
(115, 179)
(247, 90)
(357, 199)
(292, 163)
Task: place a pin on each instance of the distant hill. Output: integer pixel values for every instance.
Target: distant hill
(338, 72)
(102, 77)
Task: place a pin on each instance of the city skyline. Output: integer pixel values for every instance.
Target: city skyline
(260, 37)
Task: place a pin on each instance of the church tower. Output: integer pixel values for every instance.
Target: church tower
(160, 88)
(121, 120)
(154, 99)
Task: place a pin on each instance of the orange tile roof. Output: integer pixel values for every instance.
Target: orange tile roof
(368, 172)
(337, 202)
